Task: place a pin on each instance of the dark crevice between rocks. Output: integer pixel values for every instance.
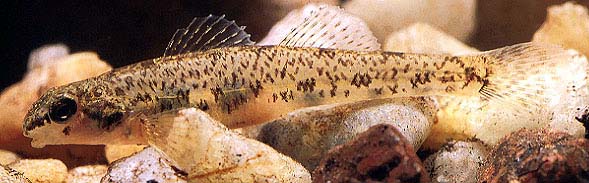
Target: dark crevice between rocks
(585, 120)
(413, 178)
(382, 172)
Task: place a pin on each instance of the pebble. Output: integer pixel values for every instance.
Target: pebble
(457, 161)
(381, 154)
(538, 156)
(41, 170)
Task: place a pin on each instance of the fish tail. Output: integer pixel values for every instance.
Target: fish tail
(530, 75)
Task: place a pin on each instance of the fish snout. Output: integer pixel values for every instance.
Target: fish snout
(36, 117)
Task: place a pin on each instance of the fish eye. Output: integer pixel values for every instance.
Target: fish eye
(62, 109)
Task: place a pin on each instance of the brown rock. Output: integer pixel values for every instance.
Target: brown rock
(41, 170)
(379, 154)
(538, 156)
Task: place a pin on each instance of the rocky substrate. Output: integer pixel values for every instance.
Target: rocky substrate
(457, 139)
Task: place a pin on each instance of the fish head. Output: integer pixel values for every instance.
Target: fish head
(71, 114)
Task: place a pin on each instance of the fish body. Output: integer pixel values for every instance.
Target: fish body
(329, 58)
(229, 83)
(212, 65)
(248, 85)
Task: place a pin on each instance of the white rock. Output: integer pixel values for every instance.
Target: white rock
(424, 38)
(457, 161)
(566, 25)
(144, 166)
(456, 17)
(86, 174)
(41, 170)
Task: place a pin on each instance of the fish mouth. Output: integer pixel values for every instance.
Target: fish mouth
(37, 144)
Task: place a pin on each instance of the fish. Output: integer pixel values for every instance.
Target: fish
(212, 65)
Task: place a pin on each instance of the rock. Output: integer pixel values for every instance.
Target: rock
(566, 25)
(7, 157)
(86, 174)
(538, 156)
(41, 170)
(457, 18)
(207, 151)
(424, 38)
(115, 152)
(457, 161)
(144, 166)
(48, 67)
(47, 55)
(10, 175)
(307, 134)
(507, 22)
(381, 154)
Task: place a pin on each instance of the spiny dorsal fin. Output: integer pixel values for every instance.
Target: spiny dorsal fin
(204, 33)
(322, 26)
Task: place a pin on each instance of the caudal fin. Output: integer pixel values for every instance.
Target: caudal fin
(532, 75)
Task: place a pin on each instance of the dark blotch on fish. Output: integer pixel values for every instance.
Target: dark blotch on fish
(66, 130)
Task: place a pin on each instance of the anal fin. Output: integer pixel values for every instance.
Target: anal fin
(205, 33)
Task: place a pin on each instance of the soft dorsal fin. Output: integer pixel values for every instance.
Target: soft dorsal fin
(322, 26)
(204, 33)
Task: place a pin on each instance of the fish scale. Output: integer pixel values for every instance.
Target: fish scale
(233, 80)
(331, 57)
(212, 65)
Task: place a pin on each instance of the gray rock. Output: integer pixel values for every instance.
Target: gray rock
(457, 161)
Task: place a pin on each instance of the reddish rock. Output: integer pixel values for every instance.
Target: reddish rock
(538, 156)
(381, 154)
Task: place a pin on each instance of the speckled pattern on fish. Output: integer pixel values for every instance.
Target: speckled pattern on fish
(213, 66)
